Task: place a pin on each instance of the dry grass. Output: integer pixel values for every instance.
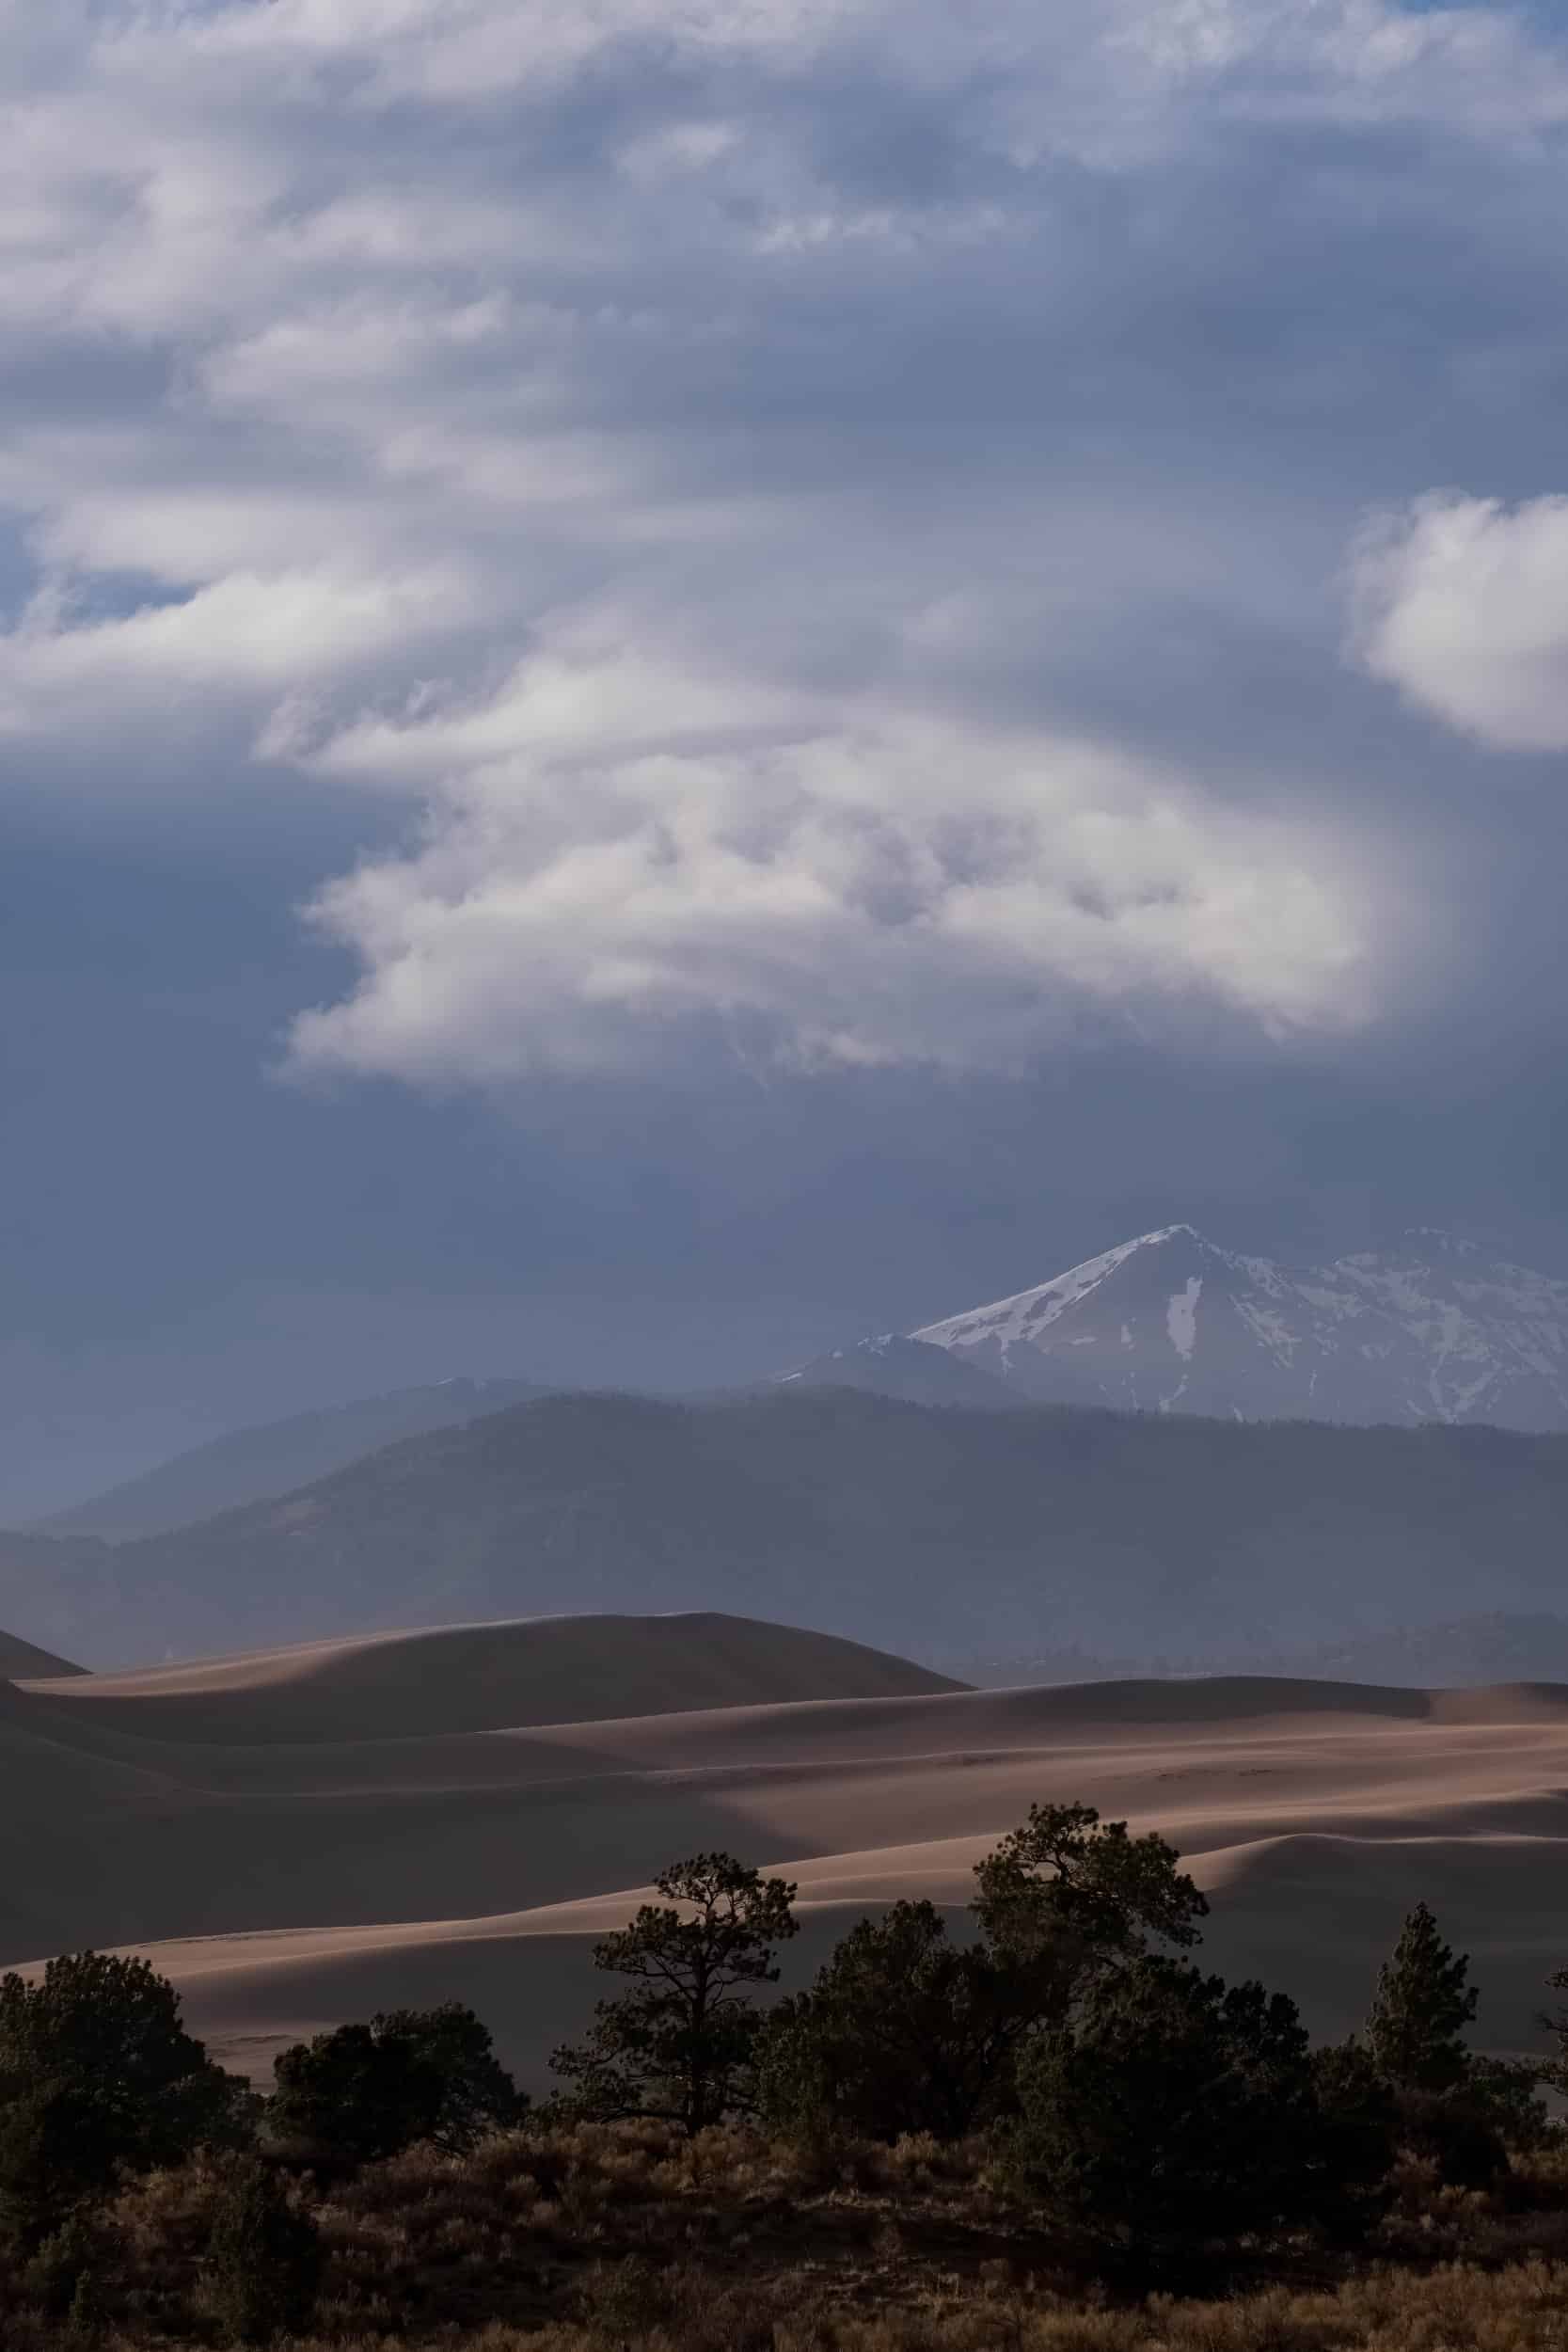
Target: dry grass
(605, 2238)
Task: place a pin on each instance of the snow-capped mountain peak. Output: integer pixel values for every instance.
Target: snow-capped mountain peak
(1432, 1330)
(1007, 1322)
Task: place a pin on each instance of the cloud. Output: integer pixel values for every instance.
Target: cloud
(625, 854)
(822, 514)
(1462, 605)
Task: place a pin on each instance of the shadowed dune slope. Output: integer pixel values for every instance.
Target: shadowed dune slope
(302, 1836)
(19, 1658)
(482, 1678)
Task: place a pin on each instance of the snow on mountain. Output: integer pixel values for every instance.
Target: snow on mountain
(891, 1366)
(1170, 1322)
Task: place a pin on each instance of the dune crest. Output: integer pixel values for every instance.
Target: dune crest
(20, 1659)
(489, 1677)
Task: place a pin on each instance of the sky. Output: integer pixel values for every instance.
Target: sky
(681, 677)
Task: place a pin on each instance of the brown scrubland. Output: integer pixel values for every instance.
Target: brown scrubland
(596, 2236)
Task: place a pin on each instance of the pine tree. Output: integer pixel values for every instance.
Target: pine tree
(1172, 2110)
(97, 2071)
(1071, 1884)
(1423, 2003)
(364, 2091)
(683, 2044)
(905, 2031)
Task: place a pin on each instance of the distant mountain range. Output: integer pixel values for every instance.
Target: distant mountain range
(1497, 1646)
(961, 1489)
(907, 1368)
(250, 1465)
(1433, 1331)
(953, 1533)
(1167, 1323)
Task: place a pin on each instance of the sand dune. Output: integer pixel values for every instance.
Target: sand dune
(19, 1658)
(478, 1677)
(304, 1836)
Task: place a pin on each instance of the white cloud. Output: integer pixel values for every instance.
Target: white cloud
(705, 454)
(619, 853)
(244, 633)
(1462, 605)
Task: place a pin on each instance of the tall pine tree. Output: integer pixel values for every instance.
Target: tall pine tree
(1423, 2003)
(683, 2045)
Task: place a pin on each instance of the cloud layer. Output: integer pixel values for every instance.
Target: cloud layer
(1464, 608)
(896, 889)
(810, 527)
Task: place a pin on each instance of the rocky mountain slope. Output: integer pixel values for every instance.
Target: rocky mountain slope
(1171, 1323)
(948, 1532)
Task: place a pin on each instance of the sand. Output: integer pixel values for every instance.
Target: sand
(19, 1658)
(480, 1678)
(303, 1837)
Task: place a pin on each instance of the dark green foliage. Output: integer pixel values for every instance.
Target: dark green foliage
(1460, 2112)
(1356, 2139)
(1456, 2133)
(906, 2031)
(902, 2031)
(366, 2092)
(683, 2045)
(60, 2145)
(111, 2028)
(1468, 2129)
(1071, 1884)
(97, 2071)
(345, 2094)
(471, 2094)
(264, 2257)
(1555, 2022)
(1416, 2026)
(1508, 2092)
(1173, 2113)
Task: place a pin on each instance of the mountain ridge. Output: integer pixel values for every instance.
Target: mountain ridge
(1170, 1321)
(895, 1365)
(960, 1532)
(1163, 1351)
(274, 1458)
